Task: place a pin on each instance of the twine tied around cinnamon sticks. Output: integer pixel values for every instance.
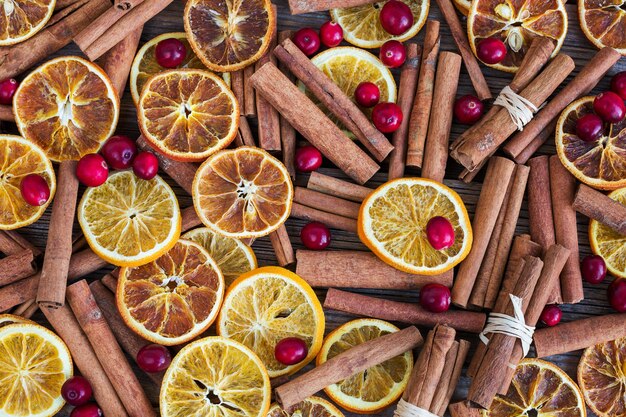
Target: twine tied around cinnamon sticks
(510, 325)
(406, 409)
(520, 109)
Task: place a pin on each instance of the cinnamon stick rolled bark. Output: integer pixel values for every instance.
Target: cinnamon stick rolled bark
(249, 95)
(334, 99)
(598, 206)
(584, 82)
(267, 116)
(236, 84)
(6, 113)
(56, 262)
(246, 132)
(436, 150)
(108, 350)
(15, 267)
(181, 172)
(118, 60)
(460, 409)
(110, 282)
(282, 246)
(454, 367)
(308, 6)
(19, 243)
(406, 95)
(338, 188)
(420, 113)
(489, 204)
(27, 309)
(287, 132)
(309, 120)
(410, 313)
(536, 142)
(60, 14)
(357, 269)
(348, 363)
(334, 221)
(563, 188)
(327, 203)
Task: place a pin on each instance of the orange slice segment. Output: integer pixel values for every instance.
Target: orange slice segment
(516, 23)
(600, 164)
(21, 19)
(229, 35)
(19, 158)
(174, 298)
(67, 106)
(7, 319)
(311, 407)
(242, 193)
(463, 6)
(188, 114)
(604, 23)
(609, 244)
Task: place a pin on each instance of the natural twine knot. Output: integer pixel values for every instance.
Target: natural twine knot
(520, 109)
(406, 409)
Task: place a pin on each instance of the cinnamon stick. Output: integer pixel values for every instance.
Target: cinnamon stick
(338, 188)
(62, 4)
(460, 39)
(308, 6)
(460, 409)
(15, 267)
(490, 202)
(309, 120)
(181, 172)
(61, 14)
(249, 104)
(536, 142)
(584, 82)
(27, 309)
(6, 113)
(410, 313)
(454, 367)
(110, 282)
(348, 363)
(108, 350)
(406, 96)
(358, 269)
(287, 132)
(282, 246)
(118, 60)
(19, 310)
(600, 207)
(334, 99)
(579, 334)
(436, 149)
(56, 262)
(267, 116)
(334, 221)
(236, 84)
(327, 203)
(246, 132)
(11, 242)
(420, 113)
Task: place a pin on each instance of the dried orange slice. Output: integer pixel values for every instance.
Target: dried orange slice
(21, 19)
(174, 298)
(232, 256)
(19, 158)
(600, 164)
(188, 114)
(128, 221)
(374, 389)
(604, 23)
(463, 6)
(7, 319)
(34, 364)
(516, 24)
(392, 223)
(311, 407)
(602, 378)
(609, 244)
(145, 64)
(269, 304)
(67, 106)
(361, 24)
(215, 376)
(241, 193)
(541, 389)
(229, 35)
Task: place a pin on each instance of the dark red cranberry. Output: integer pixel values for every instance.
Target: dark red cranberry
(440, 233)
(618, 84)
(7, 91)
(396, 17)
(367, 94)
(468, 109)
(593, 269)
(315, 236)
(435, 298)
(119, 151)
(76, 391)
(87, 410)
(609, 106)
(308, 158)
(331, 34)
(146, 165)
(35, 190)
(154, 358)
(291, 351)
(392, 54)
(387, 117)
(589, 127)
(170, 53)
(307, 40)
(92, 170)
(491, 51)
(551, 315)
(617, 295)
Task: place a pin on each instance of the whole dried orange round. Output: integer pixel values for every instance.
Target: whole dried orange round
(229, 35)
(608, 243)
(604, 23)
(22, 19)
(19, 158)
(602, 378)
(174, 298)
(188, 114)
(516, 24)
(67, 106)
(242, 193)
(600, 164)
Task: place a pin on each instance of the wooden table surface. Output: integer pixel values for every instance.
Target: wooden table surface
(576, 45)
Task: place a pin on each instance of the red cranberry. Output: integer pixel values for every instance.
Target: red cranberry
(145, 165)
(440, 233)
(331, 34)
(315, 236)
(589, 127)
(76, 391)
(435, 298)
(387, 117)
(154, 358)
(396, 17)
(491, 51)
(367, 94)
(87, 410)
(618, 84)
(35, 189)
(291, 350)
(593, 269)
(119, 151)
(617, 295)
(392, 54)
(7, 91)
(92, 170)
(609, 106)
(308, 159)
(170, 53)
(551, 315)
(307, 40)
(468, 109)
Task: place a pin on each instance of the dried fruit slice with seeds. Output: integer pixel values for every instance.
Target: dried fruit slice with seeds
(22, 19)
